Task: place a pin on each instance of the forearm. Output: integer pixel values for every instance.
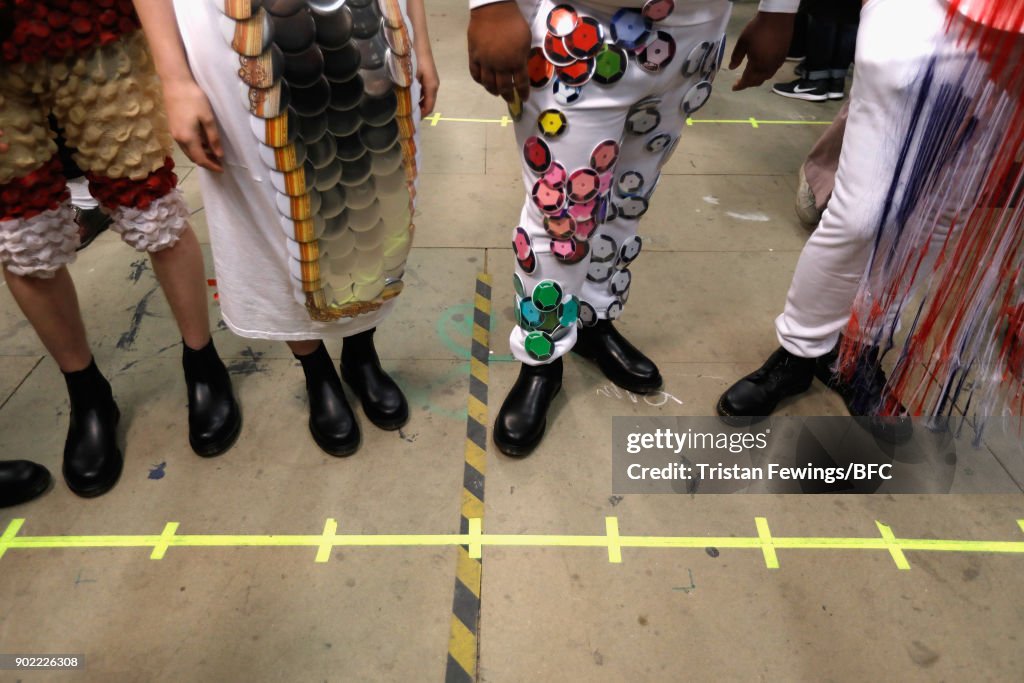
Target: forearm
(161, 28)
(418, 17)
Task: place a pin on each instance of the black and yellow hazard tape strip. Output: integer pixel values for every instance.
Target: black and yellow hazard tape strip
(464, 637)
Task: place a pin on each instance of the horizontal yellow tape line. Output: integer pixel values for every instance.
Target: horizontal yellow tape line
(754, 122)
(476, 539)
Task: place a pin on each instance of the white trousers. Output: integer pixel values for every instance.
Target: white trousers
(592, 154)
(896, 41)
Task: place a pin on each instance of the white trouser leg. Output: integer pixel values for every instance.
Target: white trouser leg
(591, 160)
(896, 40)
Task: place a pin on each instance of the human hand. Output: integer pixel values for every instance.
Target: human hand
(499, 49)
(193, 125)
(430, 82)
(764, 43)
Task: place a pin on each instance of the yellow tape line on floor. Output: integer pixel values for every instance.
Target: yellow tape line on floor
(753, 122)
(476, 540)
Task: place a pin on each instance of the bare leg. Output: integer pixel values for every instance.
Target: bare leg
(305, 347)
(51, 306)
(180, 272)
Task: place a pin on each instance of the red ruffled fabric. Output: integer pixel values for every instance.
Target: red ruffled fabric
(41, 190)
(136, 194)
(52, 29)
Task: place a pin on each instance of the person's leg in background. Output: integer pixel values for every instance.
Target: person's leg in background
(817, 176)
(831, 39)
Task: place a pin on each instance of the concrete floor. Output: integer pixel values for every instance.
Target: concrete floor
(707, 289)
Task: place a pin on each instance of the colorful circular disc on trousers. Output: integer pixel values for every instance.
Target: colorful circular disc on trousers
(576, 74)
(537, 154)
(583, 185)
(605, 181)
(586, 39)
(565, 94)
(658, 53)
(601, 212)
(555, 176)
(539, 68)
(695, 98)
(552, 123)
(629, 250)
(587, 315)
(584, 229)
(529, 315)
(630, 29)
(630, 182)
(547, 295)
(582, 211)
(612, 62)
(603, 250)
(517, 285)
(632, 206)
(621, 282)
(604, 156)
(696, 58)
(560, 227)
(599, 271)
(556, 52)
(569, 312)
(548, 199)
(643, 120)
(658, 143)
(658, 10)
(524, 251)
(714, 61)
(562, 20)
(614, 310)
(549, 323)
(568, 251)
(539, 345)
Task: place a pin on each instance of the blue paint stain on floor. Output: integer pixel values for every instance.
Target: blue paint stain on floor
(158, 471)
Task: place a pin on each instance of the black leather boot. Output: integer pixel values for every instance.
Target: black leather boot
(21, 481)
(757, 394)
(524, 414)
(620, 361)
(214, 420)
(382, 399)
(331, 421)
(92, 460)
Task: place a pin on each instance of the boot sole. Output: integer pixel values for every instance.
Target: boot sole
(521, 451)
(220, 447)
(641, 389)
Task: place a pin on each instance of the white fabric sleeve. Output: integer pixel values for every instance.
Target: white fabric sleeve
(782, 6)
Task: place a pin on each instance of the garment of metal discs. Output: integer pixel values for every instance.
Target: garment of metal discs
(327, 86)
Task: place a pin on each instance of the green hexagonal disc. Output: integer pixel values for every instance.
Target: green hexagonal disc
(539, 345)
(550, 322)
(518, 314)
(569, 312)
(611, 64)
(547, 295)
